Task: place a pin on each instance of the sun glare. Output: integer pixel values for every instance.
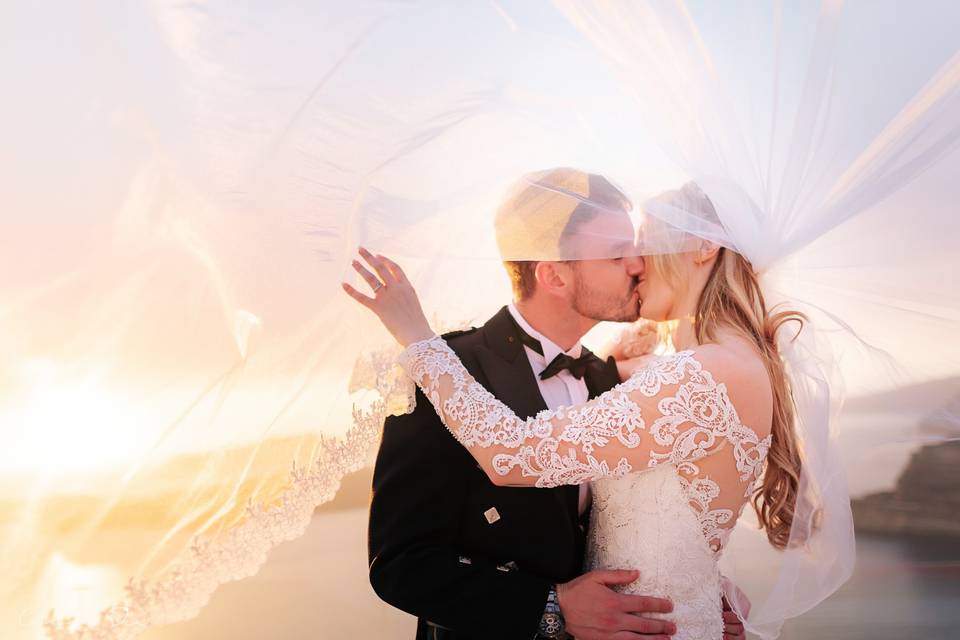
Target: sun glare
(64, 424)
(81, 590)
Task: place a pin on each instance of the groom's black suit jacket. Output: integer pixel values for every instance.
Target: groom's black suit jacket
(433, 553)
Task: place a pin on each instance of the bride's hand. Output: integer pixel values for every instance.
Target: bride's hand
(638, 339)
(394, 300)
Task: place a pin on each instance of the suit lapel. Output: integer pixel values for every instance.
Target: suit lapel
(506, 367)
(510, 378)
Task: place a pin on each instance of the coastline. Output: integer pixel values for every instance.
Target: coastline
(925, 501)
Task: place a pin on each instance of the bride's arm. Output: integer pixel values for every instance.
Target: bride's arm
(671, 411)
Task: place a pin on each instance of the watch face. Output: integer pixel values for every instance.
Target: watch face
(552, 624)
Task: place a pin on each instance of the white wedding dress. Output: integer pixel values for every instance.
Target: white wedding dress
(641, 521)
(696, 464)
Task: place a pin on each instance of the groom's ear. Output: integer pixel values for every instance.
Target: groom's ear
(554, 278)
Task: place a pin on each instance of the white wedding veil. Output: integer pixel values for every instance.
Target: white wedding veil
(182, 380)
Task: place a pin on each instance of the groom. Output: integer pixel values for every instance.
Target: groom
(468, 558)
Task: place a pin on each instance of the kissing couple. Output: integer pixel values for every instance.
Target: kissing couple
(540, 491)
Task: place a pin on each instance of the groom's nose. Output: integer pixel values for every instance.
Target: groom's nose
(633, 265)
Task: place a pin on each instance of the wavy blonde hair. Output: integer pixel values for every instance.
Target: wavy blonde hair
(732, 298)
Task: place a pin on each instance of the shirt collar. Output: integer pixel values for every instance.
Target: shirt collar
(550, 349)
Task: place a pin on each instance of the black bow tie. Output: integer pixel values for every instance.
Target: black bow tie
(576, 366)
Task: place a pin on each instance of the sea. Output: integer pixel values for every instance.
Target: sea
(316, 588)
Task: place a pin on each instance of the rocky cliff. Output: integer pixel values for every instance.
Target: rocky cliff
(926, 500)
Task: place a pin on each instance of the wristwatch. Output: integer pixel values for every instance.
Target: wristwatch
(551, 622)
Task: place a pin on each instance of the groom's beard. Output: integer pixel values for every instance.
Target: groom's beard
(623, 306)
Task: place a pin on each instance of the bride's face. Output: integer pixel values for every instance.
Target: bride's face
(662, 286)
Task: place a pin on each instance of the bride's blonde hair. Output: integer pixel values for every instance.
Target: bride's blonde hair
(732, 298)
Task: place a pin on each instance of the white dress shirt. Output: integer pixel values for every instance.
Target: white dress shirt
(561, 390)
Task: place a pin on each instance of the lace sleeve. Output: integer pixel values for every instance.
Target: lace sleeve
(671, 411)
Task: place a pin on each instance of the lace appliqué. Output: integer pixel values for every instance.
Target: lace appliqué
(697, 421)
(211, 561)
(484, 422)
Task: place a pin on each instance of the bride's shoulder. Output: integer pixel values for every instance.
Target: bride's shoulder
(733, 360)
(743, 374)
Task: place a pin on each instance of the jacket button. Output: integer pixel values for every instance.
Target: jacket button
(491, 515)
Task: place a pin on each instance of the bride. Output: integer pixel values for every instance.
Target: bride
(676, 451)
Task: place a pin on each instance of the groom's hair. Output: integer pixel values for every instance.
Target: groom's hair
(523, 278)
(541, 216)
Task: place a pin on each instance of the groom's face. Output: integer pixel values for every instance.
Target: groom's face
(606, 289)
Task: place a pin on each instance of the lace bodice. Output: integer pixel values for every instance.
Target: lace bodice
(669, 413)
(641, 521)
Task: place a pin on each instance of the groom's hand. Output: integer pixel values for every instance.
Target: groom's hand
(732, 626)
(594, 611)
